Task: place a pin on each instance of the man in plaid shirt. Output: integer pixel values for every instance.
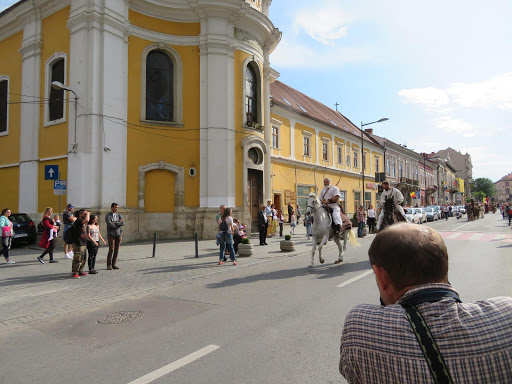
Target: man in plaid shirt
(378, 344)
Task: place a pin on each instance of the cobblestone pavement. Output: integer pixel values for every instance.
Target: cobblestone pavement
(32, 291)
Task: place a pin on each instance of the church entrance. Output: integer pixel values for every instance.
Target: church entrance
(254, 195)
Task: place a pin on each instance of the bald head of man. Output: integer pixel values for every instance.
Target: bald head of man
(406, 255)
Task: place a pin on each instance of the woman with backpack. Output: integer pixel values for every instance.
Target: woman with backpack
(49, 237)
(226, 236)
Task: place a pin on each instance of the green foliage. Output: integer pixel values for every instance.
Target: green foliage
(245, 240)
(288, 237)
(485, 185)
(479, 196)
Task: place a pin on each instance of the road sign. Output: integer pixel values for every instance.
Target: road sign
(51, 172)
(59, 187)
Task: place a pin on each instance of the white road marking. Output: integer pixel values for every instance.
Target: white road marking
(350, 281)
(477, 236)
(174, 366)
(461, 226)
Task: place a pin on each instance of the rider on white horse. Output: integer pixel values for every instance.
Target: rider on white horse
(389, 193)
(330, 196)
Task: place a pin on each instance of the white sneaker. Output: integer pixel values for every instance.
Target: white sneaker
(68, 255)
(10, 262)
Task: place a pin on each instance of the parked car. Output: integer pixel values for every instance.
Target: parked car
(423, 215)
(24, 228)
(413, 216)
(431, 214)
(437, 211)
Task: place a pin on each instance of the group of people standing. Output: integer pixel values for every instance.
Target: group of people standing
(83, 243)
(269, 218)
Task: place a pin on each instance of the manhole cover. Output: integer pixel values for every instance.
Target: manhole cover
(121, 317)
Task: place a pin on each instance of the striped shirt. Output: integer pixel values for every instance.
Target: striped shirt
(378, 344)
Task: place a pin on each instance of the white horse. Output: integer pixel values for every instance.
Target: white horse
(322, 231)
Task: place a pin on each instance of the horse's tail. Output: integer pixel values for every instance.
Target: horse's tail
(352, 239)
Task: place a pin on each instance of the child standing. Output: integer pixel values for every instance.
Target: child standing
(293, 223)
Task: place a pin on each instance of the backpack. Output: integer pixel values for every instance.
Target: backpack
(223, 226)
(70, 236)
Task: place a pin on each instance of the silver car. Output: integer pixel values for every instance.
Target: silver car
(430, 213)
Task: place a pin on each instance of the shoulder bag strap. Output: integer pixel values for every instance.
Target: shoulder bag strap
(432, 354)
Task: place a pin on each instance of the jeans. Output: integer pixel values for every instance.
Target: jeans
(360, 229)
(92, 250)
(226, 239)
(308, 229)
(6, 244)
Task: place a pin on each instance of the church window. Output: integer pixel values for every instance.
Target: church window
(4, 107)
(251, 94)
(56, 103)
(159, 86)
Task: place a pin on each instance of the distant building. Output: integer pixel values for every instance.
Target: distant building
(463, 167)
(504, 188)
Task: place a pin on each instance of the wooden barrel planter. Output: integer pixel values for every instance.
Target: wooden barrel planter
(245, 250)
(287, 245)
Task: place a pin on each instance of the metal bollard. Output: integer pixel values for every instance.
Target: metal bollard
(197, 245)
(154, 244)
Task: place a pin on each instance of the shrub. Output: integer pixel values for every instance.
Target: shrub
(288, 237)
(245, 240)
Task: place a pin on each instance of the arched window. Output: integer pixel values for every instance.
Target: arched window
(159, 86)
(56, 103)
(4, 107)
(251, 94)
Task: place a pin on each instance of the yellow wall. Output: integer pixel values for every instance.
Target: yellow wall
(10, 188)
(10, 65)
(53, 140)
(159, 191)
(46, 198)
(177, 146)
(164, 26)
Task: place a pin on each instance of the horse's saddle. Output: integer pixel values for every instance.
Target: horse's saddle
(345, 221)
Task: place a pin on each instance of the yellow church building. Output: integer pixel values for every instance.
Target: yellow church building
(160, 106)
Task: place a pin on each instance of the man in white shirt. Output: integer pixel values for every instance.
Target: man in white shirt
(389, 193)
(330, 196)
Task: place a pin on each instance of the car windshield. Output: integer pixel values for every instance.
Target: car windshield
(19, 218)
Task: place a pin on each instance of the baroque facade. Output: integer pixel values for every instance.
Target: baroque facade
(162, 107)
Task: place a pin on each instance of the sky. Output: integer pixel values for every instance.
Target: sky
(440, 70)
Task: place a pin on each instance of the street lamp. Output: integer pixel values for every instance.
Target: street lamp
(362, 152)
(58, 85)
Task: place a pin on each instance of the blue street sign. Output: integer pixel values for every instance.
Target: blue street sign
(51, 172)
(59, 187)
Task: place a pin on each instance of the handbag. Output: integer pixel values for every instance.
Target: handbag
(6, 231)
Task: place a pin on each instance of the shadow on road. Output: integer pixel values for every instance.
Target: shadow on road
(324, 271)
(34, 279)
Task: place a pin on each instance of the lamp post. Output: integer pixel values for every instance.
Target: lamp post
(58, 85)
(362, 152)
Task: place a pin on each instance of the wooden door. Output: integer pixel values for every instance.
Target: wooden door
(255, 195)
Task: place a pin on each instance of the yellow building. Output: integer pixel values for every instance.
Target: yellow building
(310, 141)
(162, 107)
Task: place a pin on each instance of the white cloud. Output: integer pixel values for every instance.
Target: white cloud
(493, 93)
(325, 25)
(456, 126)
(289, 54)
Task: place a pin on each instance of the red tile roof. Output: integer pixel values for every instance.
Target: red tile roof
(291, 99)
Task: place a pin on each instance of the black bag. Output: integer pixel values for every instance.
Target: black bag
(223, 226)
(40, 227)
(70, 236)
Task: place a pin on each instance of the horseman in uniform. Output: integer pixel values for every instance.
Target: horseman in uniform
(396, 196)
(329, 197)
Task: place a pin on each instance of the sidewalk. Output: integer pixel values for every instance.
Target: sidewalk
(33, 291)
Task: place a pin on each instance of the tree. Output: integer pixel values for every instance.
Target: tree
(485, 185)
(479, 196)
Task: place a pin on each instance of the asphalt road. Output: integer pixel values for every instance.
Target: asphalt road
(272, 322)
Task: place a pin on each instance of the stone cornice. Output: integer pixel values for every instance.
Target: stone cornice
(109, 22)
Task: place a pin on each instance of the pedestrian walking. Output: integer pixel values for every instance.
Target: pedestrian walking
(361, 217)
(93, 242)
(7, 234)
(79, 236)
(308, 222)
(371, 219)
(446, 211)
(67, 219)
(281, 222)
(49, 236)
(226, 237)
(114, 222)
(293, 223)
(262, 225)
